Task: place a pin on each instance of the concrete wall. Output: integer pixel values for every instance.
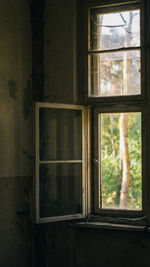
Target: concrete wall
(15, 134)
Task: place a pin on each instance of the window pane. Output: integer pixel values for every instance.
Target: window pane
(60, 189)
(114, 30)
(121, 160)
(60, 134)
(114, 74)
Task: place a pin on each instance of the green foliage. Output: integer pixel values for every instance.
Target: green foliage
(111, 172)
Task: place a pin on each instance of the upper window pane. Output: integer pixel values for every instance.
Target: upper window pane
(115, 74)
(114, 30)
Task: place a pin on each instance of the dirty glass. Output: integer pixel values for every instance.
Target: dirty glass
(60, 134)
(60, 189)
(114, 30)
(114, 59)
(115, 74)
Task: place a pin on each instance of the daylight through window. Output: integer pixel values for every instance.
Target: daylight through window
(114, 53)
(114, 64)
(120, 160)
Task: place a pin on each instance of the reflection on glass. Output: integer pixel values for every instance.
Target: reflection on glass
(60, 189)
(114, 30)
(60, 134)
(121, 160)
(114, 74)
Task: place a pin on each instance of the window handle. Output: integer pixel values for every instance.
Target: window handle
(96, 161)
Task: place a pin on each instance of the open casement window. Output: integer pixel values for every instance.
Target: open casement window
(88, 164)
(60, 162)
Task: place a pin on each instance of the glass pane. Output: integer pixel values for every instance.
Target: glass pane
(121, 160)
(114, 30)
(114, 74)
(60, 134)
(60, 189)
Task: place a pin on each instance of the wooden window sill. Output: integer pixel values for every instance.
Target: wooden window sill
(111, 226)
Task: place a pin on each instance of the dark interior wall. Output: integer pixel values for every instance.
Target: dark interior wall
(15, 134)
(60, 44)
(63, 245)
(23, 47)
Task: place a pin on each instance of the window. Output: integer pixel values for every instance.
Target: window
(118, 160)
(114, 74)
(91, 159)
(60, 162)
(114, 51)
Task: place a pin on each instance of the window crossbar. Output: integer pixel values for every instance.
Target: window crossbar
(59, 161)
(123, 49)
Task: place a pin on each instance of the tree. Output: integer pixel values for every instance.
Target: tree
(124, 153)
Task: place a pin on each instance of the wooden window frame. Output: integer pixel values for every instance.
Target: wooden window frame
(81, 215)
(121, 212)
(106, 10)
(84, 38)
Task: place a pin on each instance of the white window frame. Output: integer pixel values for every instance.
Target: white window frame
(39, 105)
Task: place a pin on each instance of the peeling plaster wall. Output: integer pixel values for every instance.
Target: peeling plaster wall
(16, 151)
(15, 90)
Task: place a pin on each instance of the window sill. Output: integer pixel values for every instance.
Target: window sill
(111, 226)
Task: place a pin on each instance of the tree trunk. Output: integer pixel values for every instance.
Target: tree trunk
(124, 151)
(126, 160)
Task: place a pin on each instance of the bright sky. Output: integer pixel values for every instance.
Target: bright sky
(115, 19)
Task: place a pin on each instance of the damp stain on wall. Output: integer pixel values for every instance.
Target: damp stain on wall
(37, 8)
(12, 88)
(27, 103)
